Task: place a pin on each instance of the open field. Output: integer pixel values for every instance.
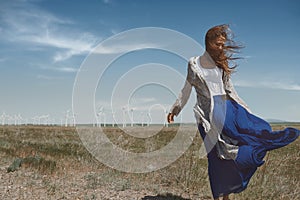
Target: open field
(55, 165)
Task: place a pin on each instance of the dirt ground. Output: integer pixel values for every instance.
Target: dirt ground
(56, 166)
(26, 183)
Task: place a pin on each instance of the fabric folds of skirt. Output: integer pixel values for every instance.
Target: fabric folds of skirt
(255, 137)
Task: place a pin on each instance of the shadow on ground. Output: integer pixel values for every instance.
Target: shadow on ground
(164, 197)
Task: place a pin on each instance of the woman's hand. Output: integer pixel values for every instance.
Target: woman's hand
(170, 118)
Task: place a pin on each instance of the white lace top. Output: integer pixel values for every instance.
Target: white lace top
(213, 78)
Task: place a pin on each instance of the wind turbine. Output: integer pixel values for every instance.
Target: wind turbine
(131, 111)
(104, 118)
(165, 121)
(15, 119)
(142, 118)
(10, 119)
(52, 121)
(124, 116)
(3, 116)
(19, 119)
(67, 116)
(46, 119)
(35, 120)
(149, 118)
(40, 118)
(113, 118)
(99, 113)
(73, 119)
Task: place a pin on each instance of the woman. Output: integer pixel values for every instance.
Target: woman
(235, 139)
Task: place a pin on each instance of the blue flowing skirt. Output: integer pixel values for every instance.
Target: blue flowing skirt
(255, 137)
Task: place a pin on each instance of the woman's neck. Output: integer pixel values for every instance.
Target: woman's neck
(206, 61)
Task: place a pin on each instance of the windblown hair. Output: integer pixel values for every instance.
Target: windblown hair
(222, 57)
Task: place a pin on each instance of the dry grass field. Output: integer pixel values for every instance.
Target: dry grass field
(49, 162)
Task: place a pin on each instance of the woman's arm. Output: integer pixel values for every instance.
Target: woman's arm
(183, 96)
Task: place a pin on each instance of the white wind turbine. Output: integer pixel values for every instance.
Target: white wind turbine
(10, 119)
(142, 118)
(40, 119)
(6, 119)
(67, 117)
(47, 119)
(44, 119)
(34, 120)
(3, 117)
(15, 119)
(131, 111)
(113, 118)
(166, 124)
(52, 121)
(124, 116)
(19, 119)
(26, 121)
(99, 114)
(73, 119)
(104, 118)
(149, 120)
(22, 121)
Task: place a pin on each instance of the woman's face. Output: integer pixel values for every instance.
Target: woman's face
(220, 42)
(215, 47)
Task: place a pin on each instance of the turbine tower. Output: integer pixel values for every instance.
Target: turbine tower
(99, 114)
(16, 120)
(3, 117)
(131, 111)
(149, 120)
(67, 117)
(73, 119)
(113, 118)
(124, 116)
(19, 119)
(166, 124)
(104, 118)
(142, 118)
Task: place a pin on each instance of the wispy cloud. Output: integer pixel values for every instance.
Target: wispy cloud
(26, 18)
(34, 26)
(46, 77)
(59, 68)
(66, 69)
(125, 47)
(67, 46)
(269, 84)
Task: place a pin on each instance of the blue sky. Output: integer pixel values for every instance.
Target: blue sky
(44, 42)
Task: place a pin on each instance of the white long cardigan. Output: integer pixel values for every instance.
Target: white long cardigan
(226, 147)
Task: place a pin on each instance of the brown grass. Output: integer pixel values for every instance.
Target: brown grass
(59, 167)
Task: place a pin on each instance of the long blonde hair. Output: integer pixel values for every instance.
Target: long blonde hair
(221, 57)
